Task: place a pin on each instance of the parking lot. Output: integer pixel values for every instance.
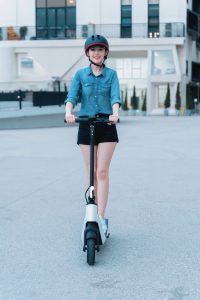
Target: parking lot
(154, 212)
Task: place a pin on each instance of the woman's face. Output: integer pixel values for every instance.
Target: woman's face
(97, 54)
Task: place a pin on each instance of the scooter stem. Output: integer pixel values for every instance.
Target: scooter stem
(92, 129)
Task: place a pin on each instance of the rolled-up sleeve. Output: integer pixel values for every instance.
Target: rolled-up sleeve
(115, 90)
(74, 91)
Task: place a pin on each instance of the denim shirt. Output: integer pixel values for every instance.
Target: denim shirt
(97, 94)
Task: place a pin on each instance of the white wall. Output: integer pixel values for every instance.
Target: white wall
(110, 11)
(7, 64)
(139, 12)
(98, 11)
(172, 11)
(17, 13)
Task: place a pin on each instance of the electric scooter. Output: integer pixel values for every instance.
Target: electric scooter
(93, 235)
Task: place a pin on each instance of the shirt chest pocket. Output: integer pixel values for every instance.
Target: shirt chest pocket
(104, 89)
(88, 89)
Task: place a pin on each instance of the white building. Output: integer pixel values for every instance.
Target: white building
(152, 43)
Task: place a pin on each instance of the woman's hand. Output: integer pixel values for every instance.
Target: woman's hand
(114, 118)
(70, 118)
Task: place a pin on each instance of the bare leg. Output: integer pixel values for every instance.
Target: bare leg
(104, 156)
(85, 150)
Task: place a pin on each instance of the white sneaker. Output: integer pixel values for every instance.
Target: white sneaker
(104, 223)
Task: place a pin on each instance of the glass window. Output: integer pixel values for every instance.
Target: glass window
(26, 66)
(162, 62)
(51, 13)
(162, 90)
(127, 68)
(41, 17)
(153, 21)
(55, 3)
(126, 22)
(26, 63)
(60, 17)
(71, 16)
(153, 10)
(126, 11)
(41, 3)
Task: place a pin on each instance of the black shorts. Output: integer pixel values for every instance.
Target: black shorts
(103, 133)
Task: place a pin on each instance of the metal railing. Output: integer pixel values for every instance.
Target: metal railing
(137, 30)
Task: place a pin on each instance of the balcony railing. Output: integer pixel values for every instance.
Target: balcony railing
(166, 30)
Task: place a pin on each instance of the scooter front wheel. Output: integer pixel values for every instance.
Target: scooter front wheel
(91, 243)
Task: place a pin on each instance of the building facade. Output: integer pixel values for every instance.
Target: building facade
(153, 43)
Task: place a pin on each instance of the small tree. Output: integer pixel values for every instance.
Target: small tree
(178, 97)
(144, 104)
(134, 100)
(125, 101)
(167, 98)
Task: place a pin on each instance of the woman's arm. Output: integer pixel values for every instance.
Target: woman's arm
(69, 117)
(115, 115)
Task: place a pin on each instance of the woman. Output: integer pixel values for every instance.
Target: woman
(97, 88)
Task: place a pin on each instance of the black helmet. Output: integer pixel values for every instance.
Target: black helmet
(96, 40)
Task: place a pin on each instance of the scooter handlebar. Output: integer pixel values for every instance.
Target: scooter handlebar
(92, 119)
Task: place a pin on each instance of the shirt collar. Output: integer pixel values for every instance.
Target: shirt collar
(89, 71)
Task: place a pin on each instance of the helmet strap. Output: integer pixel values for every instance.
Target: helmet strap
(101, 65)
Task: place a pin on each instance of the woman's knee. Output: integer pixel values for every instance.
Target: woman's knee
(102, 174)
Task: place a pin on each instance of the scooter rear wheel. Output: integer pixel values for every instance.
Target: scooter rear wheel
(91, 251)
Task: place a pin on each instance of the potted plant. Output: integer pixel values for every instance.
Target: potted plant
(23, 31)
(167, 101)
(178, 100)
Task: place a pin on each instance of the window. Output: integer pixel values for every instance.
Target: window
(26, 63)
(71, 16)
(131, 68)
(153, 19)
(41, 17)
(162, 62)
(26, 66)
(195, 71)
(55, 19)
(126, 19)
(61, 17)
(51, 17)
(196, 6)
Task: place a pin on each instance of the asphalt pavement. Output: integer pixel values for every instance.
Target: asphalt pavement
(153, 211)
